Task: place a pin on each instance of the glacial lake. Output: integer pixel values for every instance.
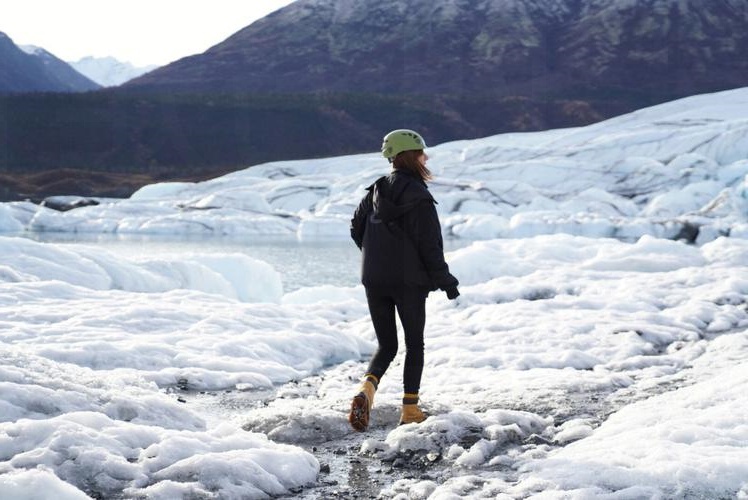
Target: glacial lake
(300, 263)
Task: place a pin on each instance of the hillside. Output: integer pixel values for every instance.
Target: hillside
(191, 137)
(514, 47)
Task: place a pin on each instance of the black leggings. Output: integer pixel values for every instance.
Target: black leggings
(410, 304)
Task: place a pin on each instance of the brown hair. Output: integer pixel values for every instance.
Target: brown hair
(408, 160)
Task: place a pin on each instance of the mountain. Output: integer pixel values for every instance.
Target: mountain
(59, 71)
(322, 78)
(508, 47)
(108, 71)
(36, 70)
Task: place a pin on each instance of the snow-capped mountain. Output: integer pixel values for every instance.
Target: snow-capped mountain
(33, 69)
(109, 71)
(59, 69)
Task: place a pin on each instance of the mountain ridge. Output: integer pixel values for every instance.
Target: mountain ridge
(483, 46)
(37, 70)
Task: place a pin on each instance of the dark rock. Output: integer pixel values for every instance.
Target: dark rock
(400, 463)
(537, 439)
(688, 232)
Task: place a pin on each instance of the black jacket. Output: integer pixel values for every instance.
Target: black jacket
(397, 228)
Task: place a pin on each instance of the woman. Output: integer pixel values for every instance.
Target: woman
(398, 231)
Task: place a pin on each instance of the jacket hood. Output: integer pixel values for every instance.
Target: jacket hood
(390, 199)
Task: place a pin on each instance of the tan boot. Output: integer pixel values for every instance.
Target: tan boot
(362, 403)
(411, 414)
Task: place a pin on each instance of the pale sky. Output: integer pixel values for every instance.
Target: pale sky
(137, 31)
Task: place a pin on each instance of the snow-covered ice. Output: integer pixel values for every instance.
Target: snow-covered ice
(597, 350)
